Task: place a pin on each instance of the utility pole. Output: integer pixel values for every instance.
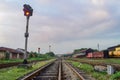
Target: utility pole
(98, 46)
(49, 48)
(28, 11)
(26, 38)
(39, 50)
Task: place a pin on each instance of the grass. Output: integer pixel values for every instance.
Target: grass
(98, 60)
(97, 75)
(115, 76)
(20, 60)
(13, 73)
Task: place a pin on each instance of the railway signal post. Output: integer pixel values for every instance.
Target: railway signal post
(28, 11)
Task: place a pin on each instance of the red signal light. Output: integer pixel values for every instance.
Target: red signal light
(27, 13)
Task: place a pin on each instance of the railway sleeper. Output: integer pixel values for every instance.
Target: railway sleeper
(46, 78)
(47, 74)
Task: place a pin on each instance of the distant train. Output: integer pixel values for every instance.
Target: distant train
(111, 52)
(114, 51)
(100, 54)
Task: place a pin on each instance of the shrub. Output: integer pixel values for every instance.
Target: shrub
(115, 76)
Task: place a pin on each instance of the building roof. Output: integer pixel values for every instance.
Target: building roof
(10, 50)
(89, 50)
(22, 50)
(113, 47)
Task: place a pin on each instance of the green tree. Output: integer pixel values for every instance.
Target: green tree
(78, 50)
(51, 54)
(33, 54)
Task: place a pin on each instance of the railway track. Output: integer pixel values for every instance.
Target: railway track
(5, 65)
(8, 65)
(57, 70)
(73, 73)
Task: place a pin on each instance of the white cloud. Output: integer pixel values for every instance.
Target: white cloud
(44, 2)
(98, 2)
(99, 15)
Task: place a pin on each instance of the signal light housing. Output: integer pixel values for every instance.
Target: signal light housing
(27, 10)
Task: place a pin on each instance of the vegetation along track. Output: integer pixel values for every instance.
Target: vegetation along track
(57, 70)
(93, 63)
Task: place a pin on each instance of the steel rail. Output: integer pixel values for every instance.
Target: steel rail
(78, 74)
(35, 73)
(60, 71)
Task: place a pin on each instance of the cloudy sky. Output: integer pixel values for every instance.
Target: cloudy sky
(64, 24)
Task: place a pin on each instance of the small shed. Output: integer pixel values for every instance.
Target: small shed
(10, 53)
